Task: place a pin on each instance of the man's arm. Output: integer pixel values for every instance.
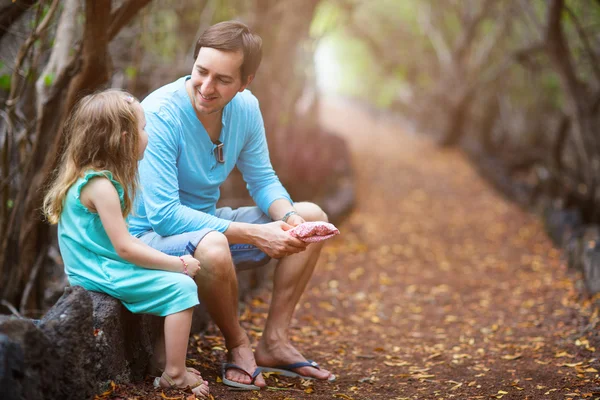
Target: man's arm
(255, 165)
(160, 183)
(282, 209)
(268, 193)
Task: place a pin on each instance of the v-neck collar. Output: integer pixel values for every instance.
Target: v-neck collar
(189, 107)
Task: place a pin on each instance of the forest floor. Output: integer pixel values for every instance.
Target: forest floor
(437, 288)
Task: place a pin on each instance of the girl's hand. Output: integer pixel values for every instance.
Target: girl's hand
(193, 265)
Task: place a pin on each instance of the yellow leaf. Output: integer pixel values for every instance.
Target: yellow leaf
(343, 396)
(107, 393)
(435, 355)
(563, 354)
(219, 380)
(396, 364)
(309, 390)
(326, 306)
(513, 357)
(571, 365)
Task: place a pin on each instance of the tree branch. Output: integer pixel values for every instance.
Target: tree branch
(558, 50)
(59, 58)
(595, 63)
(122, 15)
(470, 33)
(437, 40)
(9, 14)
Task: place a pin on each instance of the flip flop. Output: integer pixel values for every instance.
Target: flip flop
(286, 370)
(239, 385)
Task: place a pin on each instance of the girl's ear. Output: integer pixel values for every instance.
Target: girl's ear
(123, 133)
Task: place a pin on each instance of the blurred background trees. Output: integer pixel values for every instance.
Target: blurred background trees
(513, 82)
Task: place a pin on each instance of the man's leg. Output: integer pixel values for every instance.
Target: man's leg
(218, 291)
(291, 277)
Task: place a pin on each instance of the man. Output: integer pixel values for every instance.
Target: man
(200, 127)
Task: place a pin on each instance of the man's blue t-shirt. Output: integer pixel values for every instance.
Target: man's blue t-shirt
(180, 176)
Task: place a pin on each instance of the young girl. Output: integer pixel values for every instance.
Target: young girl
(90, 198)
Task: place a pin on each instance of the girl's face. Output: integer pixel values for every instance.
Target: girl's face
(141, 130)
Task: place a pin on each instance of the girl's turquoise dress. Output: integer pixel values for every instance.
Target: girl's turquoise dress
(92, 262)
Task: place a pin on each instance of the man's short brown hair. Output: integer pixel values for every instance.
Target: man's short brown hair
(234, 36)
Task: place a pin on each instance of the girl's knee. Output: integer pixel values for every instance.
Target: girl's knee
(187, 287)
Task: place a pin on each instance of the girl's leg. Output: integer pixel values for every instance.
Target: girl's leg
(177, 332)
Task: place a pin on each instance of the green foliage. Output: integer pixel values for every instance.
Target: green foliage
(550, 84)
(49, 79)
(349, 66)
(131, 72)
(161, 42)
(327, 18)
(360, 76)
(5, 82)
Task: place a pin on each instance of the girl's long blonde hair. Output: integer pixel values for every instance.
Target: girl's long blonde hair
(95, 140)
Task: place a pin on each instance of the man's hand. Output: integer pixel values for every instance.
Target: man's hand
(273, 239)
(295, 220)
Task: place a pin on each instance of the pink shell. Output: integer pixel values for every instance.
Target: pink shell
(312, 232)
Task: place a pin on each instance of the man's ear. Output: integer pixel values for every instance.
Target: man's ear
(248, 82)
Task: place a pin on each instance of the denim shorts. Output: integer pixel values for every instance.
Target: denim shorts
(244, 256)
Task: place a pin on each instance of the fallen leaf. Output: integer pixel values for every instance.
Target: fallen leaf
(343, 396)
(162, 394)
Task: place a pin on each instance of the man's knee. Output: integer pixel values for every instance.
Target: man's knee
(214, 256)
(311, 212)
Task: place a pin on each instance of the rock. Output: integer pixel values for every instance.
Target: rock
(575, 246)
(12, 368)
(38, 376)
(200, 319)
(84, 341)
(591, 267)
(68, 326)
(561, 225)
(123, 341)
(338, 203)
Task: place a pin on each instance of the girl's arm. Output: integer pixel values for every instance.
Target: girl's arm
(100, 196)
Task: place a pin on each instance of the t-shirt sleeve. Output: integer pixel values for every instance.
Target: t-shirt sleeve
(255, 165)
(160, 183)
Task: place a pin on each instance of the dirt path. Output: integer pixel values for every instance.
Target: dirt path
(438, 288)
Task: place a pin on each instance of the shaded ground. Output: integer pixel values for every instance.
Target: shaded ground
(438, 288)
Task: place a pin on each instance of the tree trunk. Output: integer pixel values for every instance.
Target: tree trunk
(457, 120)
(87, 70)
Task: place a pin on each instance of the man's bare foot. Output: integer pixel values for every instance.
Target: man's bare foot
(187, 379)
(243, 357)
(283, 353)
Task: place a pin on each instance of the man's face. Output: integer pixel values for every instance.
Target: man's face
(216, 79)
